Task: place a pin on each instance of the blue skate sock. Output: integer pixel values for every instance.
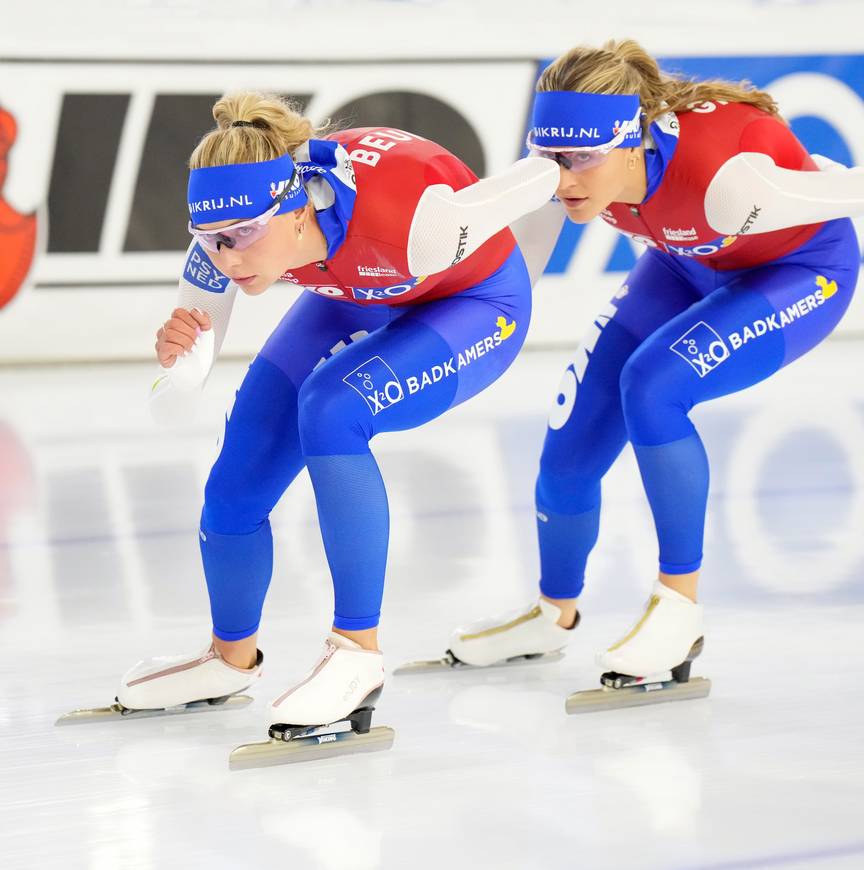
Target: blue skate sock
(355, 526)
(675, 477)
(565, 542)
(238, 570)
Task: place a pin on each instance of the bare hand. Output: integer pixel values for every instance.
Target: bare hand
(178, 334)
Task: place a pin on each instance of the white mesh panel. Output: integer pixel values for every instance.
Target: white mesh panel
(783, 197)
(448, 227)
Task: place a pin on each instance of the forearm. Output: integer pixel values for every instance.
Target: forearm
(750, 194)
(449, 225)
(217, 305)
(537, 234)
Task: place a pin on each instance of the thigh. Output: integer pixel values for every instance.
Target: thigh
(734, 338)
(428, 359)
(260, 452)
(586, 424)
(316, 328)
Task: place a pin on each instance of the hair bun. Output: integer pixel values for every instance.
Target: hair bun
(280, 129)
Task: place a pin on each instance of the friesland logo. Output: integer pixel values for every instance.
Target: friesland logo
(377, 383)
(702, 347)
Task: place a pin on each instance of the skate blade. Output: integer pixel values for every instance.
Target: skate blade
(272, 752)
(118, 711)
(447, 663)
(595, 700)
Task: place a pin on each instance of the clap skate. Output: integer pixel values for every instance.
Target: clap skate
(670, 630)
(340, 692)
(525, 637)
(171, 686)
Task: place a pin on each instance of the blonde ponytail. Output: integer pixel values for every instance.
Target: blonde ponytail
(273, 127)
(624, 67)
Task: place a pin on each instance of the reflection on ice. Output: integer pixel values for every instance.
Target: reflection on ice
(99, 567)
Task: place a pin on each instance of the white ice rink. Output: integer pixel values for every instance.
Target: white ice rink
(99, 567)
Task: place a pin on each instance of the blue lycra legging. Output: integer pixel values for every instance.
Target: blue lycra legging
(676, 334)
(331, 376)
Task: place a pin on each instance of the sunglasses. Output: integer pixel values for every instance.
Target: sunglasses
(241, 235)
(574, 159)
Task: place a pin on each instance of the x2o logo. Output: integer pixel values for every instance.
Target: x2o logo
(369, 293)
(377, 383)
(702, 347)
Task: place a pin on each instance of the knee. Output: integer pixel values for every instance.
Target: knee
(569, 479)
(232, 505)
(654, 396)
(330, 417)
(247, 478)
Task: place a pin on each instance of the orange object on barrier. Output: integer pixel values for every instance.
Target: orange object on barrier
(17, 231)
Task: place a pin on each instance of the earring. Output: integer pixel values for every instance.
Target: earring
(300, 232)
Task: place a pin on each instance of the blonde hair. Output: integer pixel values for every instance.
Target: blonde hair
(277, 128)
(624, 67)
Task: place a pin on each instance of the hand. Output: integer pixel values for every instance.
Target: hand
(178, 334)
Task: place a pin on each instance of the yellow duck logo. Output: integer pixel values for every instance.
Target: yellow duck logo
(828, 288)
(506, 329)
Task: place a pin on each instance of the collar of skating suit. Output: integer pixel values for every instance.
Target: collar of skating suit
(329, 180)
(660, 144)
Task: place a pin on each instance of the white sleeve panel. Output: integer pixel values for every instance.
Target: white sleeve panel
(751, 194)
(449, 226)
(537, 234)
(217, 305)
(191, 371)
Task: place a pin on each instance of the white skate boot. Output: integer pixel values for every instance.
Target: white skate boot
(327, 713)
(651, 664)
(530, 635)
(169, 685)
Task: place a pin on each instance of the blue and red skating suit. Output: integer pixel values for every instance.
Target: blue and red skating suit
(331, 377)
(672, 219)
(701, 315)
(392, 170)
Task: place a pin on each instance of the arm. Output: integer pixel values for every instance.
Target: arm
(537, 234)
(751, 194)
(450, 225)
(203, 287)
(175, 394)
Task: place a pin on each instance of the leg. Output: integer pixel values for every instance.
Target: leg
(587, 430)
(739, 335)
(431, 358)
(260, 457)
(586, 433)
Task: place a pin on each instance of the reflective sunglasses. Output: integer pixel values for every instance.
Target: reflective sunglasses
(574, 159)
(241, 235)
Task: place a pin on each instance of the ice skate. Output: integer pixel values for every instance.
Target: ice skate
(328, 713)
(530, 636)
(173, 685)
(651, 664)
